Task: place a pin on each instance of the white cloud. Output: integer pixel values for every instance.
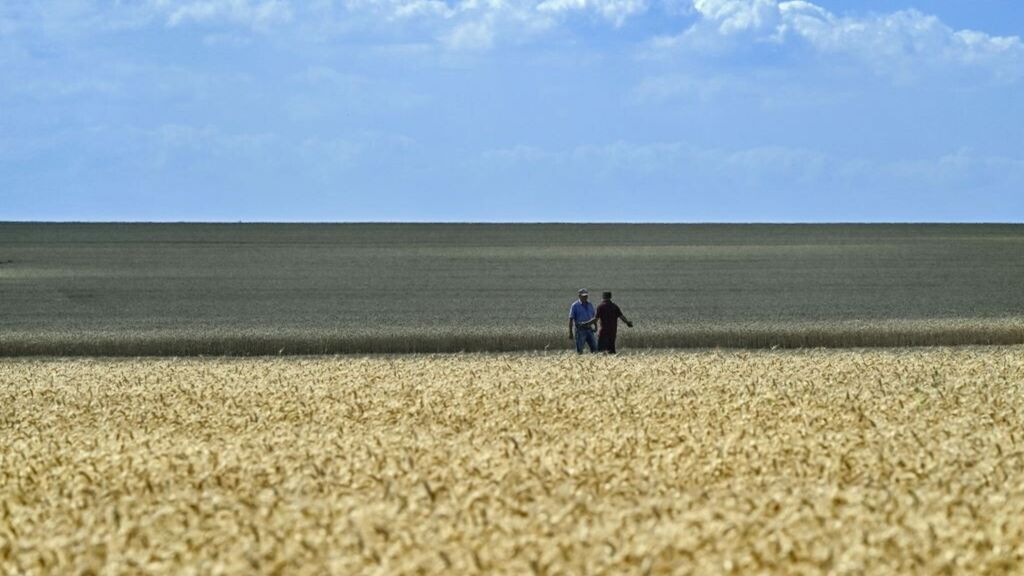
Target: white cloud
(731, 16)
(519, 154)
(210, 143)
(209, 140)
(252, 13)
(471, 35)
(481, 24)
(890, 39)
(420, 8)
(899, 34)
(226, 40)
(895, 43)
(615, 11)
(762, 173)
(667, 87)
(963, 169)
(327, 76)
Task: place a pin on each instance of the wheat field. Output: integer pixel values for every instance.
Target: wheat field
(841, 462)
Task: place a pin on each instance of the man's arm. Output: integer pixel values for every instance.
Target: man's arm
(624, 319)
(593, 320)
(571, 337)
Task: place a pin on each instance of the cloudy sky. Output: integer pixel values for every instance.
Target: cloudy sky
(512, 110)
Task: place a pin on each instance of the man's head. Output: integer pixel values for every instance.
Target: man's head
(606, 295)
(583, 294)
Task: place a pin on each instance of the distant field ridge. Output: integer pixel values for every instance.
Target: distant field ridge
(846, 335)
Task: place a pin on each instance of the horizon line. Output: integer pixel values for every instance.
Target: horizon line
(536, 222)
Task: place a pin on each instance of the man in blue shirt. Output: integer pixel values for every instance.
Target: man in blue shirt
(582, 316)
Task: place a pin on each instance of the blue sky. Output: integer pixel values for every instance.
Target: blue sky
(512, 110)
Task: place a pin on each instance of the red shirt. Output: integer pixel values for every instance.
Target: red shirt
(608, 313)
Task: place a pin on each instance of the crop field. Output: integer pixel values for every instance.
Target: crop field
(846, 462)
(248, 289)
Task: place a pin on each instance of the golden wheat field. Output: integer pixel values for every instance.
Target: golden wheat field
(843, 462)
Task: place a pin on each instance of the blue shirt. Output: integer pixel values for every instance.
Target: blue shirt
(580, 312)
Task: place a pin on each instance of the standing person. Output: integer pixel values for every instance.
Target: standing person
(609, 313)
(582, 317)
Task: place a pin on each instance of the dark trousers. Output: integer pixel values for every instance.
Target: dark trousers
(606, 342)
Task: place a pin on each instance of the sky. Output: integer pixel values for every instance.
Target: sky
(512, 110)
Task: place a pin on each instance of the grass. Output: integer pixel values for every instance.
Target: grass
(142, 289)
(847, 462)
(256, 343)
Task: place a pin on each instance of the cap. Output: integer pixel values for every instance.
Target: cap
(606, 295)
(583, 292)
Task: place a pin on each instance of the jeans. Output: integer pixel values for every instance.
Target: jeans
(588, 336)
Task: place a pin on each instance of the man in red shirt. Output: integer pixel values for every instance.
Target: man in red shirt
(609, 313)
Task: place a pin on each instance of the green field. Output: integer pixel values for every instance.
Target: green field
(134, 289)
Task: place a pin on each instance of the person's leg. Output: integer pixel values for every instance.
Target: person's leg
(579, 341)
(606, 341)
(591, 341)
